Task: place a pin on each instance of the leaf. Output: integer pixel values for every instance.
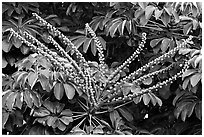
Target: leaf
(176, 17)
(169, 10)
(177, 97)
(24, 49)
(146, 99)
(198, 110)
(198, 60)
(143, 20)
(184, 51)
(35, 98)
(93, 48)
(6, 46)
(147, 81)
(66, 120)
(143, 4)
(188, 73)
(184, 112)
(51, 120)
(191, 108)
(78, 42)
(194, 10)
(86, 44)
(5, 116)
(103, 42)
(195, 24)
(121, 27)
(66, 112)
(49, 106)
(137, 99)
(11, 100)
(44, 82)
(27, 98)
(59, 91)
(187, 28)
(185, 83)
(149, 11)
(153, 99)
(154, 42)
(165, 18)
(19, 102)
(126, 114)
(129, 26)
(4, 62)
(165, 44)
(158, 13)
(32, 79)
(114, 115)
(18, 43)
(114, 27)
(61, 126)
(195, 79)
(45, 72)
(69, 90)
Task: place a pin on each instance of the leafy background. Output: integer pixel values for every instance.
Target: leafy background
(176, 109)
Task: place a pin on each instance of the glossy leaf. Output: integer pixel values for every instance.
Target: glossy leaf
(5, 116)
(165, 18)
(126, 114)
(59, 91)
(27, 98)
(86, 44)
(32, 79)
(198, 110)
(66, 120)
(4, 62)
(187, 28)
(69, 90)
(158, 13)
(11, 100)
(6, 46)
(149, 11)
(146, 99)
(195, 79)
(154, 42)
(143, 5)
(41, 112)
(114, 27)
(165, 44)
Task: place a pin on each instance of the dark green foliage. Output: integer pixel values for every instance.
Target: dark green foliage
(39, 98)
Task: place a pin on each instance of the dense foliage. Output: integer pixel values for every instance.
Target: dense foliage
(102, 68)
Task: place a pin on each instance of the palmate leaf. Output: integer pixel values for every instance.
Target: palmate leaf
(185, 104)
(114, 27)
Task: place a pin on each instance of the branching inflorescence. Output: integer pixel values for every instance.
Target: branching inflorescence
(80, 74)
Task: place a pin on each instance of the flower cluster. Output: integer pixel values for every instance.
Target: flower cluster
(81, 70)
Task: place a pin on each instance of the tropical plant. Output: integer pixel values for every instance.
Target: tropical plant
(58, 90)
